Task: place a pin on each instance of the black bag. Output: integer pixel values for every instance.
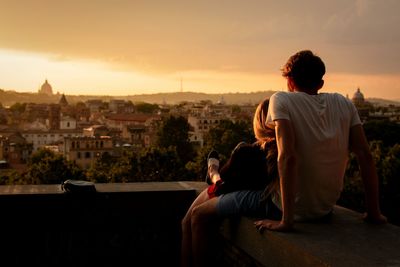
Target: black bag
(78, 186)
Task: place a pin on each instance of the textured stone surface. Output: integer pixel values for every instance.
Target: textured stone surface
(344, 241)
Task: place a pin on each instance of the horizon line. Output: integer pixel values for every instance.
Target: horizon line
(175, 92)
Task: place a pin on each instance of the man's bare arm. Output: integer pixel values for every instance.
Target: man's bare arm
(359, 146)
(287, 170)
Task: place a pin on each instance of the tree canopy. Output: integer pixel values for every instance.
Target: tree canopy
(174, 132)
(47, 167)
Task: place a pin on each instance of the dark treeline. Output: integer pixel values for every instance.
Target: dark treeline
(385, 147)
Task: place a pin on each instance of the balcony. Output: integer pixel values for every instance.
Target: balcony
(138, 224)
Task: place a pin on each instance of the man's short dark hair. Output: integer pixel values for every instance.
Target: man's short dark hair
(305, 68)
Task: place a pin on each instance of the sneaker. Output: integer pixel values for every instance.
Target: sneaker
(212, 158)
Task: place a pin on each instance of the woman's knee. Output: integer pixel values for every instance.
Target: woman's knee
(186, 221)
(204, 213)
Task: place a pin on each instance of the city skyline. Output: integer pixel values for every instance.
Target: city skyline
(131, 47)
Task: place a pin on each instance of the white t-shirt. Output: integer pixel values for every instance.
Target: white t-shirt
(321, 125)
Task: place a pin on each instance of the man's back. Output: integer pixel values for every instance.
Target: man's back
(321, 125)
(314, 133)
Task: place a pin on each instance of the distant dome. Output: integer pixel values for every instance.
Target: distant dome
(46, 88)
(358, 97)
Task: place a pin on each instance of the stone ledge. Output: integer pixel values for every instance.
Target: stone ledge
(345, 241)
(55, 189)
(131, 223)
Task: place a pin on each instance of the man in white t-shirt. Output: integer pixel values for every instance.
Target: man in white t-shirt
(314, 133)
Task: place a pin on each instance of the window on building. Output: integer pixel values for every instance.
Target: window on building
(73, 144)
(78, 154)
(87, 155)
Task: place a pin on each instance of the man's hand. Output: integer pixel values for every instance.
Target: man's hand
(272, 225)
(375, 219)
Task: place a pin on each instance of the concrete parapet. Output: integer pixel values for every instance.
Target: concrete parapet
(131, 224)
(343, 241)
(139, 224)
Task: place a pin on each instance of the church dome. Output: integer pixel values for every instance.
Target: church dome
(46, 88)
(358, 96)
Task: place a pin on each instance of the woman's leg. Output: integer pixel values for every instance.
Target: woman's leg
(204, 226)
(205, 218)
(186, 246)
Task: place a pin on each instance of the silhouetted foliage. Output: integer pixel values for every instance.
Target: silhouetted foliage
(149, 165)
(381, 130)
(391, 184)
(159, 164)
(12, 177)
(387, 160)
(18, 108)
(227, 135)
(174, 132)
(109, 169)
(146, 108)
(47, 167)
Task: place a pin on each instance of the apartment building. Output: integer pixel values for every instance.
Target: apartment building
(85, 150)
(41, 138)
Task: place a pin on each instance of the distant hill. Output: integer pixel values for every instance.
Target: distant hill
(8, 98)
(228, 98)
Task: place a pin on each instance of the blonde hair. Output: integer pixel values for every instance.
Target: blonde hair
(262, 132)
(266, 138)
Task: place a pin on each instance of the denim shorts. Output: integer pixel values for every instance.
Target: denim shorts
(247, 203)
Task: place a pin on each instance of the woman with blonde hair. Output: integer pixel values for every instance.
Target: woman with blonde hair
(244, 186)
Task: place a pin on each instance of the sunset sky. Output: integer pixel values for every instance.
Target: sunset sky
(126, 47)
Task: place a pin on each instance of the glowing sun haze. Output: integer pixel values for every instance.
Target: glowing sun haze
(136, 47)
